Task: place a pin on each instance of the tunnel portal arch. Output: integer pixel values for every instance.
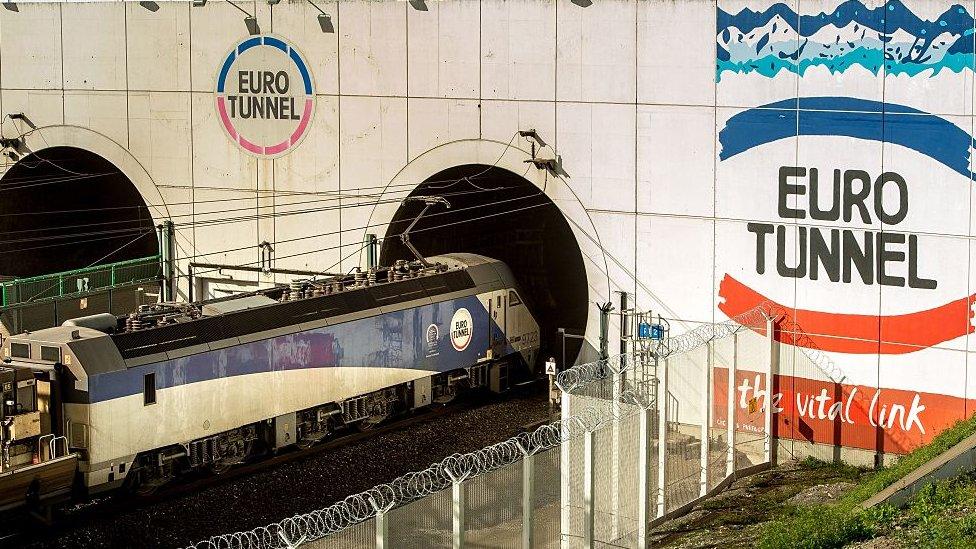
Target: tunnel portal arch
(65, 207)
(497, 213)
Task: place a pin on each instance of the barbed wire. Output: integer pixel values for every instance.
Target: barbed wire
(577, 376)
(290, 532)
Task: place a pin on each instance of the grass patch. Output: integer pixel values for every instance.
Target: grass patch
(885, 477)
(829, 526)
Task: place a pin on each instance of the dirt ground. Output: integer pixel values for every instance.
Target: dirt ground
(734, 518)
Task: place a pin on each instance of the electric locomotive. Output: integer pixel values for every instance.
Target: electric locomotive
(103, 401)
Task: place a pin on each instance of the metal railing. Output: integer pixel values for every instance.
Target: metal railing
(19, 291)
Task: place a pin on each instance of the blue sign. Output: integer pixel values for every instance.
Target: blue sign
(646, 330)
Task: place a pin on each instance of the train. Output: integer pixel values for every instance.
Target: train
(103, 402)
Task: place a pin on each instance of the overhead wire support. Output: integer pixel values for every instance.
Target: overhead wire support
(428, 202)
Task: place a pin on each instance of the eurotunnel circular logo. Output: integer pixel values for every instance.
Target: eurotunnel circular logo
(462, 329)
(265, 97)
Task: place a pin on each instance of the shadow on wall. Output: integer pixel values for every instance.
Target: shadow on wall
(65, 208)
(499, 214)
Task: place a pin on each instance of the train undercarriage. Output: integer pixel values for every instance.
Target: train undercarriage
(304, 428)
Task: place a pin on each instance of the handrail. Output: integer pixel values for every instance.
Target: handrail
(94, 268)
(11, 290)
(54, 446)
(40, 446)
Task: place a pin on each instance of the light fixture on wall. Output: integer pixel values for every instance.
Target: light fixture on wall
(11, 147)
(325, 20)
(199, 3)
(250, 21)
(273, 2)
(419, 5)
(583, 3)
(149, 5)
(11, 6)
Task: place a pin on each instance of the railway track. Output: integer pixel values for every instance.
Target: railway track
(260, 478)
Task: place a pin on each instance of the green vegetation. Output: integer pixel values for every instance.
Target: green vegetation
(930, 516)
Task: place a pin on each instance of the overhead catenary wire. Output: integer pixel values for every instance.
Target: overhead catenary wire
(223, 220)
(373, 225)
(257, 194)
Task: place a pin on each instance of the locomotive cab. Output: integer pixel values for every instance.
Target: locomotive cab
(35, 465)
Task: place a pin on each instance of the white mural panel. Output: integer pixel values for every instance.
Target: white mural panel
(596, 142)
(595, 51)
(33, 35)
(158, 46)
(433, 122)
(94, 47)
(686, 76)
(42, 108)
(105, 113)
(674, 252)
(373, 48)
(373, 140)
(517, 50)
(500, 120)
(444, 53)
(676, 160)
(159, 123)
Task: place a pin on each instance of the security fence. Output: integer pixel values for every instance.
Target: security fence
(642, 437)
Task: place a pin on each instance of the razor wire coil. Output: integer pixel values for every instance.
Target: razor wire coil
(357, 508)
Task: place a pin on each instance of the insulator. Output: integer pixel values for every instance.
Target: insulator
(371, 277)
(134, 322)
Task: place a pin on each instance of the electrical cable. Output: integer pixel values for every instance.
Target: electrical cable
(227, 220)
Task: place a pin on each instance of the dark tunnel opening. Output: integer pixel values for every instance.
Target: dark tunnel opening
(499, 214)
(66, 208)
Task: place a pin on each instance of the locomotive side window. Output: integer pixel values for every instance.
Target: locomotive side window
(149, 392)
(51, 354)
(513, 299)
(20, 350)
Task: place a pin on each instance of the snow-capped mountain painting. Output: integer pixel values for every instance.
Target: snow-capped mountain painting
(889, 38)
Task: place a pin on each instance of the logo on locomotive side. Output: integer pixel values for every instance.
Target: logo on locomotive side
(264, 96)
(462, 329)
(432, 336)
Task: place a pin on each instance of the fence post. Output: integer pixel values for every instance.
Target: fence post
(457, 507)
(528, 502)
(733, 406)
(588, 486)
(565, 512)
(382, 524)
(457, 514)
(615, 451)
(771, 345)
(382, 531)
(643, 477)
(706, 418)
(662, 438)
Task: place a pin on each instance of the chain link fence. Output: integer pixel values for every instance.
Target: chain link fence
(642, 437)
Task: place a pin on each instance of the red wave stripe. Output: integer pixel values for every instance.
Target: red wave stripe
(854, 333)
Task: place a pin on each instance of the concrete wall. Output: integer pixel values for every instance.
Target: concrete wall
(673, 122)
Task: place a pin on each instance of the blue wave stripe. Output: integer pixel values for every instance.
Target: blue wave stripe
(924, 133)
